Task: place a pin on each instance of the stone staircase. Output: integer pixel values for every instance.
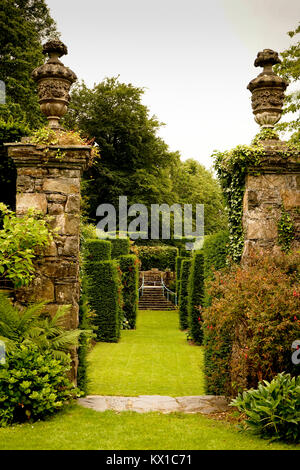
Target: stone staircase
(151, 297)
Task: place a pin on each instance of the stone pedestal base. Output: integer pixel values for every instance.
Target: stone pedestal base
(52, 186)
(269, 189)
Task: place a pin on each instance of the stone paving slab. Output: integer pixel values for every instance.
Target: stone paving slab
(204, 404)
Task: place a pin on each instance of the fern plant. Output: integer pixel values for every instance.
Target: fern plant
(32, 326)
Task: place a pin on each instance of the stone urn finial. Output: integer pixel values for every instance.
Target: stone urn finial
(267, 90)
(54, 82)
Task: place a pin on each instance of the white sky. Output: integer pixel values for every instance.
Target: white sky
(194, 57)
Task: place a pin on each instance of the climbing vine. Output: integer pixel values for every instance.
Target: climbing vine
(232, 166)
(285, 231)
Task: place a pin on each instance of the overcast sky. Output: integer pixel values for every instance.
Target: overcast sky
(194, 57)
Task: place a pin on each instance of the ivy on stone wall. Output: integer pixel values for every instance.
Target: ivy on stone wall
(232, 166)
(285, 231)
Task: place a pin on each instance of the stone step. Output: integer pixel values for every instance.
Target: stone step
(203, 404)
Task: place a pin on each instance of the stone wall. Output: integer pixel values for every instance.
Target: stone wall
(52, 185)
(269, 188)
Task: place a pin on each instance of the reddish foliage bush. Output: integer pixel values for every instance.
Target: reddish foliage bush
(251, 323)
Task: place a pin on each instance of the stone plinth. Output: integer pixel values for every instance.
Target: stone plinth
(49, 181)
(269, 188)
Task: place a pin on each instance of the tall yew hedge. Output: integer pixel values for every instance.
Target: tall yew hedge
(104, 290)
(183, 293)
(119, 247)
(177, 272)
(130, 280)
(196, 293)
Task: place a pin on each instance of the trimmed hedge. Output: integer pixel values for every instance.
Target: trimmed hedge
(215, 250)
(104, 289)
(178, 269)
(130, 280)
(160, 257)
(119, 247)
(82, 351)
(183, 294)
(97, 250)
(196, 294)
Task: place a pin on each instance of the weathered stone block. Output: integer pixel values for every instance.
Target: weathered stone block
(64, 293)
(73, 204)
(31, 200)
(60, 269)
(26, 183)
(43, 289)
(66, 224)
(51, 250)
(54, 209)
(257, 229)
(62, 185)
(32, 172)
(290, 199)
(56, 198)
(71, 247)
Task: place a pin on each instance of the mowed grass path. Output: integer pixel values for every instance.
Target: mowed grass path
(154, 359)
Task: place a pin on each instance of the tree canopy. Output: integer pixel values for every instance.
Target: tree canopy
(24, 24)
(290, 70)
(135, 162)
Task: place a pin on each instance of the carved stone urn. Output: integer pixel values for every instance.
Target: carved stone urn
(267, 90)
(54, 82)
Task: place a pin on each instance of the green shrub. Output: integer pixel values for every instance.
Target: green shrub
(32, 385)
(185, 253)
(215, 251)
(85, 324)
(196, 297)
(160, 257)
(33, 326)
(97, 250)
(130, 280)
(183, 294)
(273, 410)
(104, 293)
(87, 232)
(177, 272)
(119, 247)
(21, 240)
(252, 321)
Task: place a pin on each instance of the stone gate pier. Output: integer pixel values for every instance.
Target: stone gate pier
(48, 179)
(274, 185)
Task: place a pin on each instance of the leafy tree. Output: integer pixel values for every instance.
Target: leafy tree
(194, 184)
(290, 70)
(134, 160)
(24, 24)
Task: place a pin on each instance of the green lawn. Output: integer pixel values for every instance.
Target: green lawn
(155, 359)
(83, 429)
